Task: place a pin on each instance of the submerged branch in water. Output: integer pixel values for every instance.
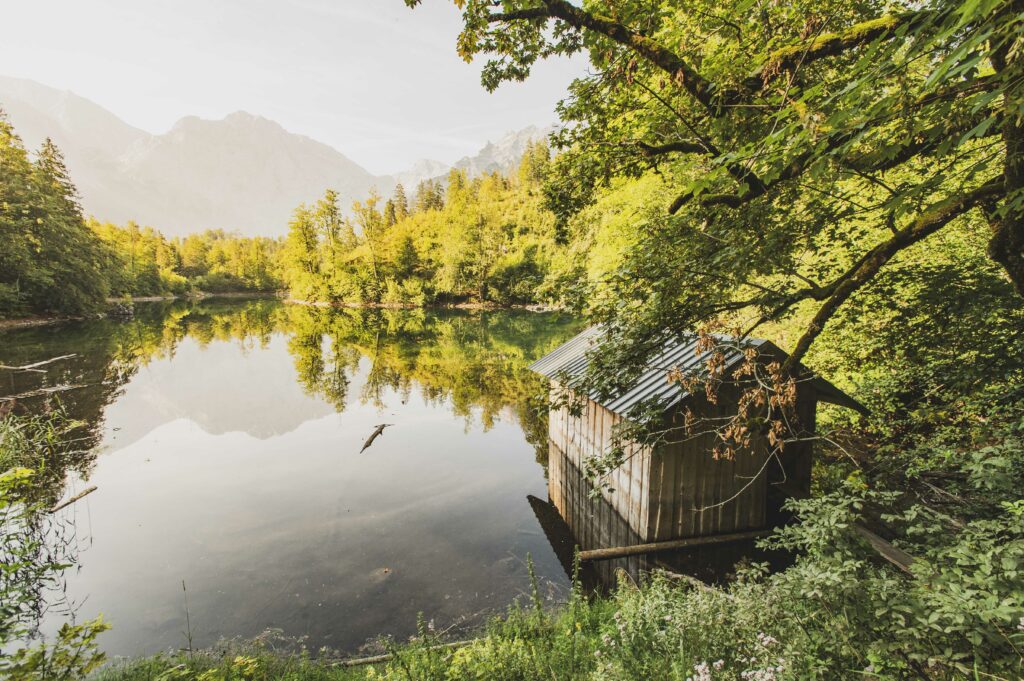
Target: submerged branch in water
(41, 391)
(35, 366)
(65, 504)
(374, 435)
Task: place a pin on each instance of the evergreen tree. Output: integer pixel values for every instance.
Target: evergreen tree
(422, 200)
(407, 258)
(16, 267)
(67, 247)
(371, 222)
(533, 166)
(301, 255)
(328, 221)
(400, 202)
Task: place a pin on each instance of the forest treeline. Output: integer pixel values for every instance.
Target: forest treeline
(488, 239)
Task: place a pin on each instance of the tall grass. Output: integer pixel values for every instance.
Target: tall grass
(45, 443)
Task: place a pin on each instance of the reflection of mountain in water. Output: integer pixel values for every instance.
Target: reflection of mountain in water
(220, 389)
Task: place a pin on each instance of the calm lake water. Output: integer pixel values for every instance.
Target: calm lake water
(228, 456)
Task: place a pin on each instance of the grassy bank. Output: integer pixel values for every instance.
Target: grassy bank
(660, 630)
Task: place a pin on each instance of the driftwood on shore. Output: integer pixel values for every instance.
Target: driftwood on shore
(68, 502)
(374, 435)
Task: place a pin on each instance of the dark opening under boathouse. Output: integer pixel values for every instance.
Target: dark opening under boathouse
(678, 488)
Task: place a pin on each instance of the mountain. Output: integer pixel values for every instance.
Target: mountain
(504, 154)
(501, 156)
(242, 173)
(424, 169)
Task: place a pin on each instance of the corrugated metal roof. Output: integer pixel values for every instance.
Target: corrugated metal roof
(568, 363)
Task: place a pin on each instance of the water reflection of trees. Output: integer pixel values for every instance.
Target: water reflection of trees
(471, 362)
(103, 354)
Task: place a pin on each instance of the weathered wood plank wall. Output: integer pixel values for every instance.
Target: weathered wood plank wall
(681, 489)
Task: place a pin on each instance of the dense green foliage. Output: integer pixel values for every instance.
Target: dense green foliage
(485, 239)
(145, 263)
(49, 259)
(845, 180)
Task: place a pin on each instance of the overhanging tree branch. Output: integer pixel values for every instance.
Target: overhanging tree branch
(926, 224)
(681, 147)
(833, 44)
(681, 72)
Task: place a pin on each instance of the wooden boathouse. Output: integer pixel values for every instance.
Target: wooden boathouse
(680, 488)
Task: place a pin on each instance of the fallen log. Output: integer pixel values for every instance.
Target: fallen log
(65, 504)
(374, 435)
(886, 550)
(695, 583)
(670, 545)
(882, 547)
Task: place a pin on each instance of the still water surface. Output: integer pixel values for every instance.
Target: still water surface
(229, 437)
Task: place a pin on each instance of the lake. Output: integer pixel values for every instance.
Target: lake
(227, 456)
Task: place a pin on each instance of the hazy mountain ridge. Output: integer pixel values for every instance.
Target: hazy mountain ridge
(242, 173)
(504, 154)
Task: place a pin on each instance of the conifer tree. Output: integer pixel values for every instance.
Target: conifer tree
(400, 202)
(74, 260)
(15, 220)
(407, 258)
(301, 255)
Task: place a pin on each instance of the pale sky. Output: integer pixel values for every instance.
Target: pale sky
(378, 81)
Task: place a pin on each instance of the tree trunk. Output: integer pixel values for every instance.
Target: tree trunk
(1006, 246)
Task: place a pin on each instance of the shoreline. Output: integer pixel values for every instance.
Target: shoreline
(43, 320)
(530, 307)
(33, 321)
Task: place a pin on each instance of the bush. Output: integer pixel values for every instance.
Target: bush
(515, 278)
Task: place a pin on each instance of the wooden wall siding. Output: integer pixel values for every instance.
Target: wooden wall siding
(590, 435)
(593, 522)
(681, 490)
